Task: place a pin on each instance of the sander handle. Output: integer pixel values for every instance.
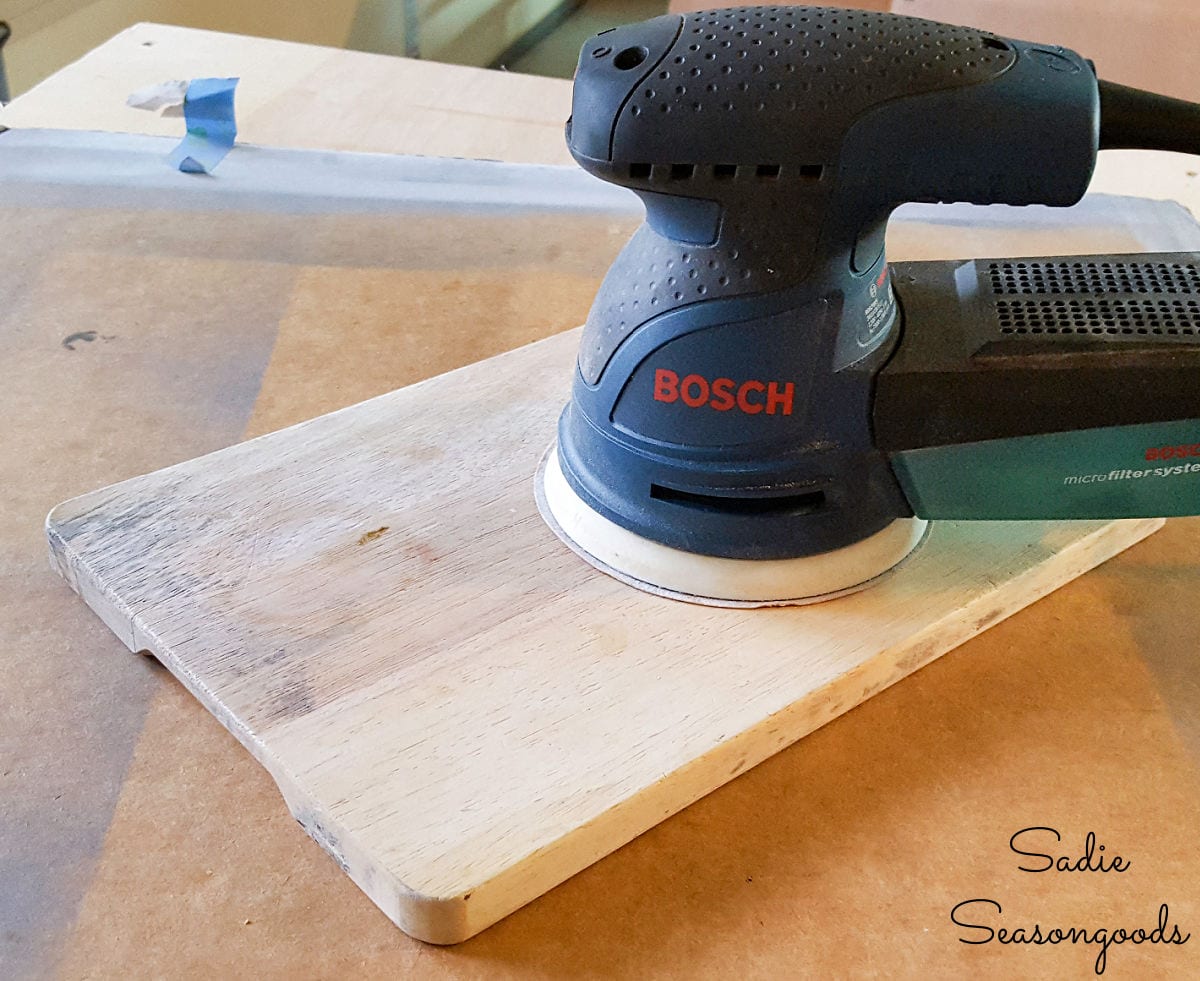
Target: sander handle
(770, 145)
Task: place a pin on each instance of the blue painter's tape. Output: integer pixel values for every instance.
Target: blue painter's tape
(211, 127)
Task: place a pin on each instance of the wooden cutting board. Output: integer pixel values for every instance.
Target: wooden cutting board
(460, 710)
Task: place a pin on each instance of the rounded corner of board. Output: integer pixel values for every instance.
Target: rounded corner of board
(441, 921)
(62, 514)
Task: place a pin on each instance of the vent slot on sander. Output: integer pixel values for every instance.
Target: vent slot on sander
(998, 348)
(805, 503)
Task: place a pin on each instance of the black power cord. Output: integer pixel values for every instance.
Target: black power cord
(1132, 119)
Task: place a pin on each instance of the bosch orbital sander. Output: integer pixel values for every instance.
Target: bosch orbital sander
(764, 410)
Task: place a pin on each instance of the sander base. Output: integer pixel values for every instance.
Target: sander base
(711, 580)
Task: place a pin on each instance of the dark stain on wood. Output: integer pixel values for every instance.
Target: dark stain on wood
(370, 536)
(989, 619)
(292, 698)
(918, 657)
(323, 837)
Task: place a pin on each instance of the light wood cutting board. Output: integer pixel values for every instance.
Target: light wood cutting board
(461, 711)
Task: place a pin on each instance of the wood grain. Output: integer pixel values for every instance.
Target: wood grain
(457, 708)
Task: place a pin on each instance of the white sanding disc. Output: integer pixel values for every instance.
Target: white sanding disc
(711, 580)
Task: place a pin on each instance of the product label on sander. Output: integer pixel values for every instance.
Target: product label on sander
(881, 309)
(869, 315)
(1143, 471)
(724, 394)
(733, 384)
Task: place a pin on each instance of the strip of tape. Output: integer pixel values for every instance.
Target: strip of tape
(211, 126)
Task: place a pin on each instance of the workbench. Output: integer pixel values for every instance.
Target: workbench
(137, 838)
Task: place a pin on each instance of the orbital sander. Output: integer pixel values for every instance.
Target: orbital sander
(766, 412)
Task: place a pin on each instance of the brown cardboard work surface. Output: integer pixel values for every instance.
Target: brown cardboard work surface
(1078, 714)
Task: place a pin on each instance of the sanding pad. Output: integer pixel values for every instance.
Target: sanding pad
(710, 580)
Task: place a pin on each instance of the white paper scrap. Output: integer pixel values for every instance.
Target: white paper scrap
(165, 98)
